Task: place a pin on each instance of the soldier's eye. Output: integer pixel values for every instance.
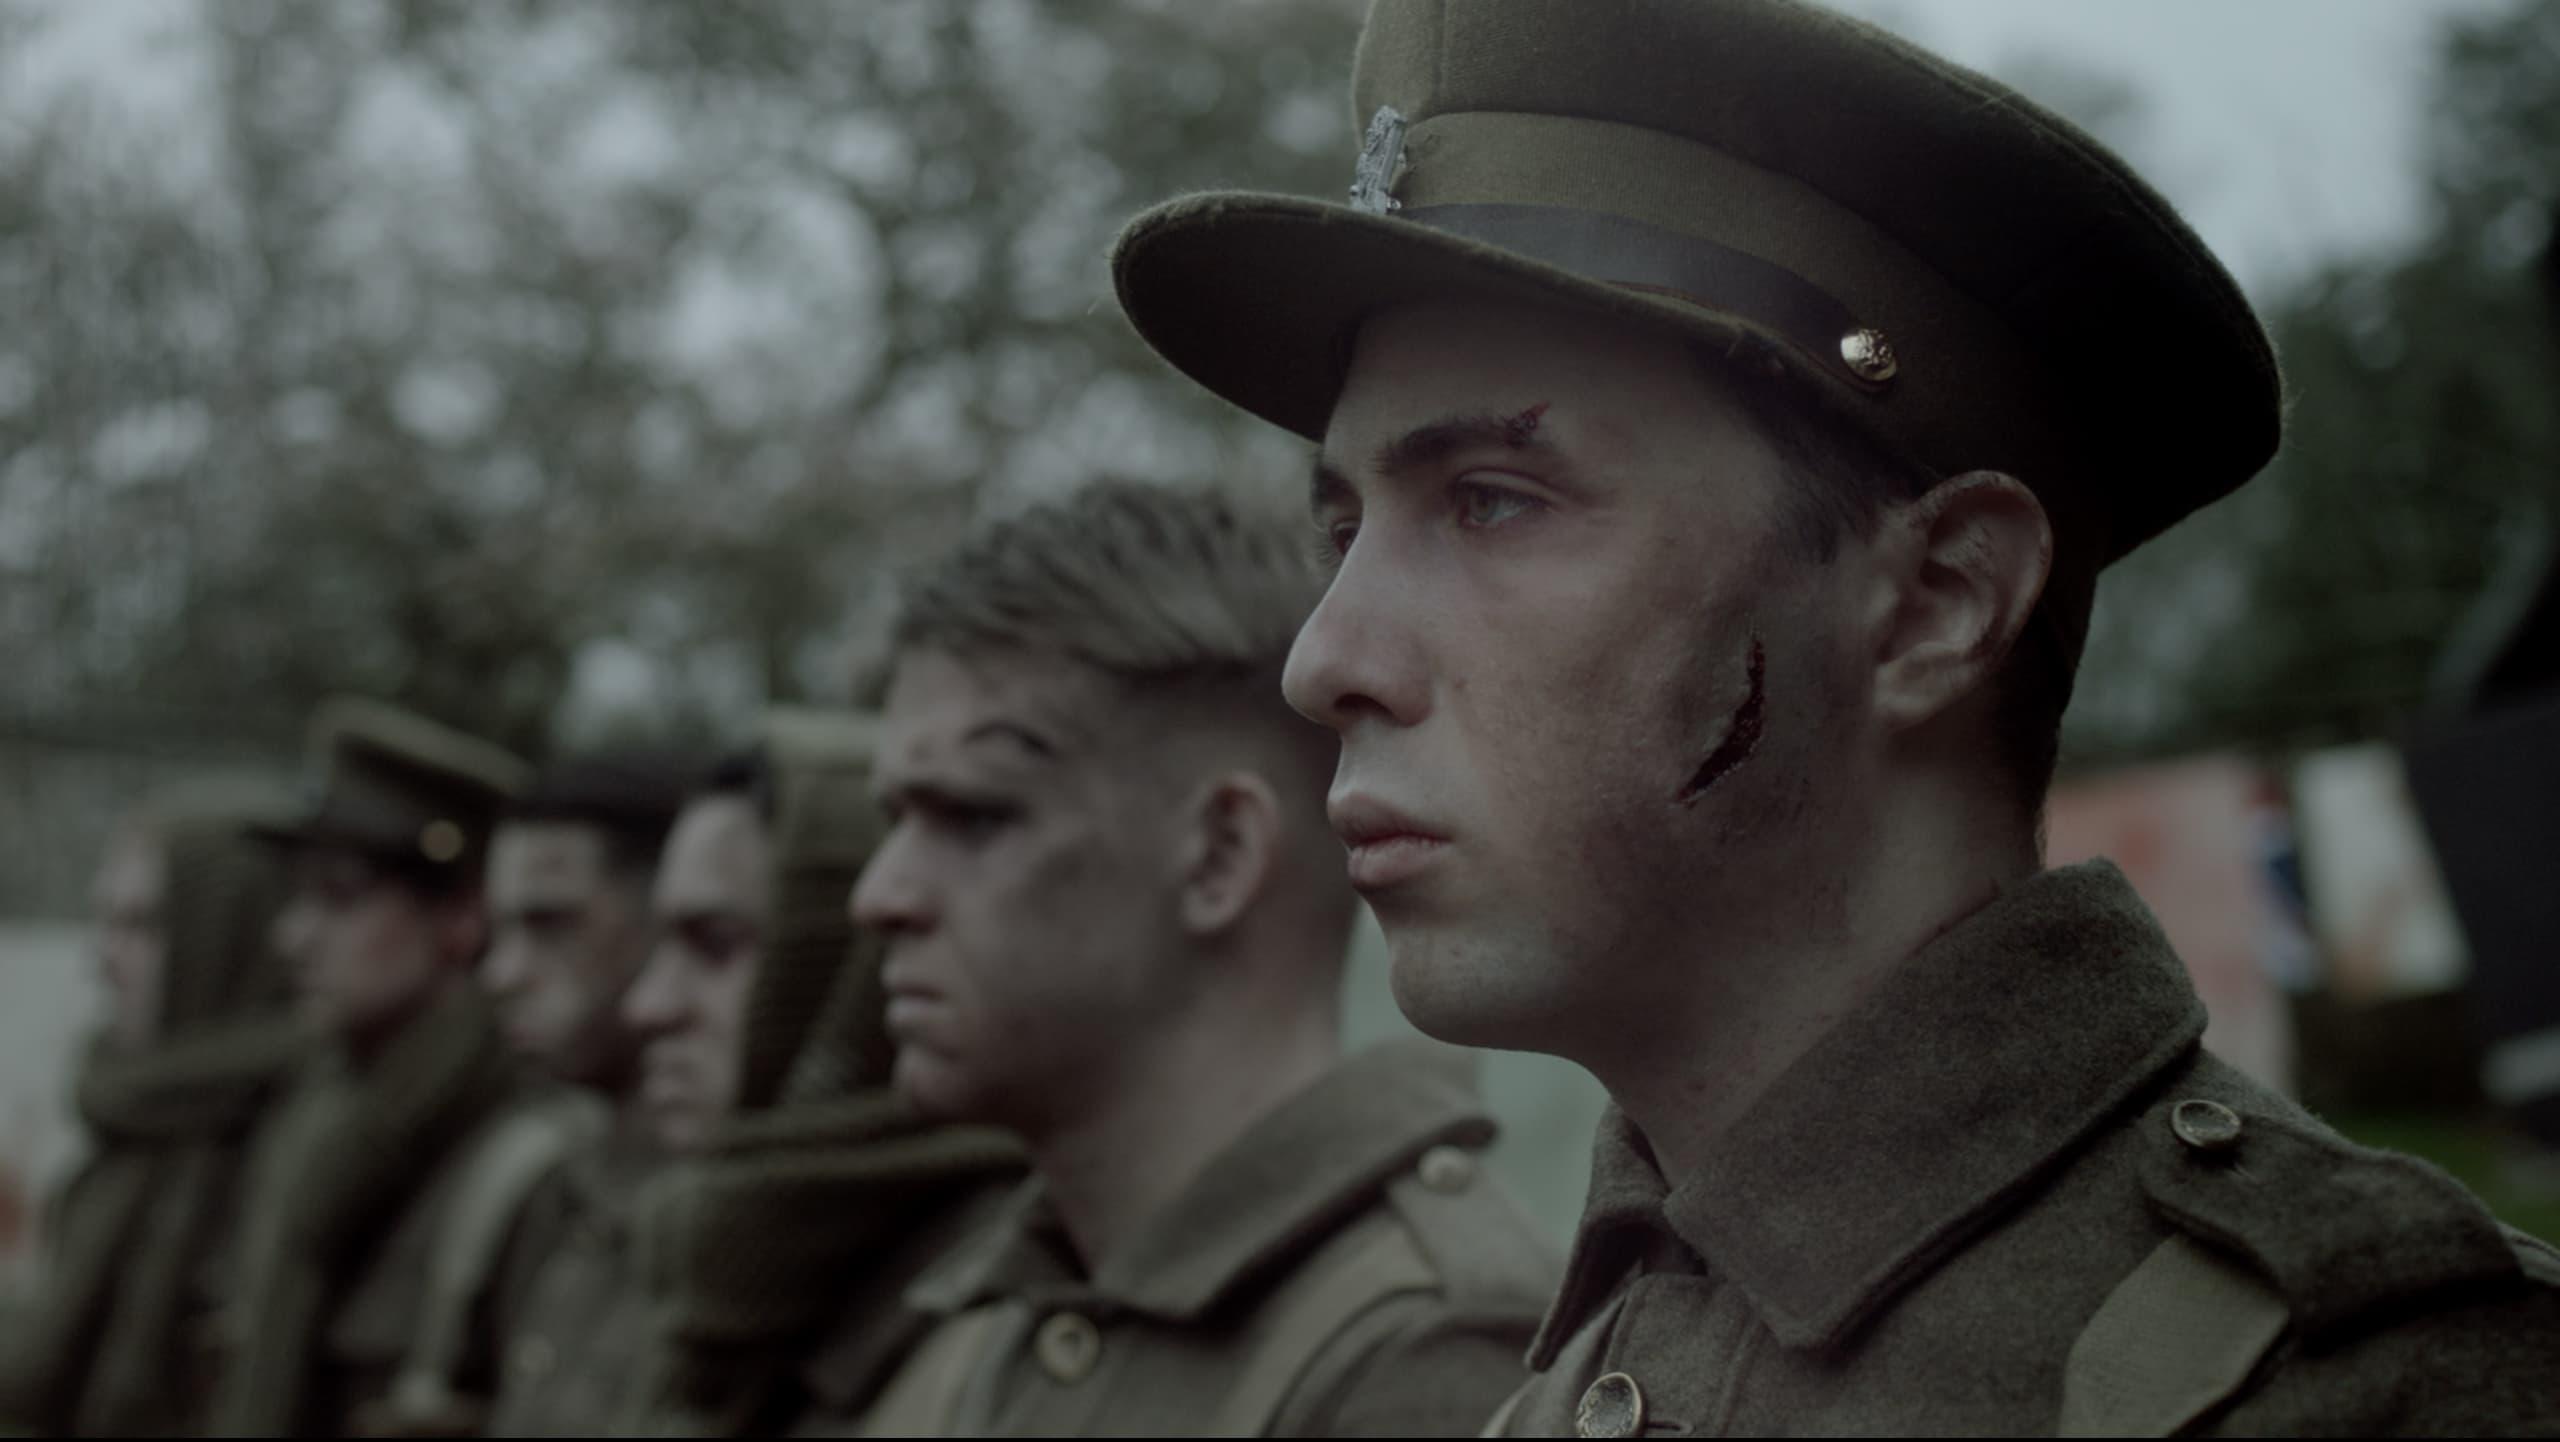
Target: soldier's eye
(1337, 537)
(1481, 507)
(973, 822)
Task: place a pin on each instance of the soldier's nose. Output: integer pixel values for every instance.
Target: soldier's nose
(1344, 667)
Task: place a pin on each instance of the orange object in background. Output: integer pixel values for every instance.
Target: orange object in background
(2195, 839)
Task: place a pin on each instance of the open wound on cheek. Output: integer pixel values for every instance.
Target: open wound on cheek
(1519, 430)
(1741, 733)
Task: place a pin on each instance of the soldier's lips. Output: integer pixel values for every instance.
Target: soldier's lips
(668, 1082)
(1387, 847)
(911, 1000)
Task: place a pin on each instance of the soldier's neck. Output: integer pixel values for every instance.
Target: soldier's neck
(1172, 1104)
(1929, 854)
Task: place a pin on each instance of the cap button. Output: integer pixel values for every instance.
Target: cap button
(1869, 355)
(2207, 1127)
(1612, 1406)
(1446, 1169)
(1069, 1346)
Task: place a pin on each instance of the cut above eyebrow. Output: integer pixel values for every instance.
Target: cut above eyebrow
(1433, 444)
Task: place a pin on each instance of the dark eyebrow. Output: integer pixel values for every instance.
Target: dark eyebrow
(1429, 445)
(1432, 444)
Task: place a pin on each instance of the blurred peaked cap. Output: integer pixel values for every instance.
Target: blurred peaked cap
(219, 802)
(1954, 268)
(396, 785)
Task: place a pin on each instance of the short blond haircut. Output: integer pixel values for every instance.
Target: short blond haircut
(1150, 585)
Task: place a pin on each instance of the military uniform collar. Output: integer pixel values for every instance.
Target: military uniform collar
(1293, 1177)
(1965, 1077)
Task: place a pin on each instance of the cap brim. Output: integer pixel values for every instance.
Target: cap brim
(1257, 296)
(334, 828)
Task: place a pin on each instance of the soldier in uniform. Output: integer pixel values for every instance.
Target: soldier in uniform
(1724, 411)
(386, 1184)
(1116, 927)
(772, 1258)
(570, 871)
(200, 1038)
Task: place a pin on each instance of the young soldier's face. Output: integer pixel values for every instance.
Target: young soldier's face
(565, 939)
(368, 951)
(1592, 695)
(714, 906)
(1024, 890)
(132, 936)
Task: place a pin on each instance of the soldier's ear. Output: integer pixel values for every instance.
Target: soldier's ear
(1230, 847)
(1964, 567)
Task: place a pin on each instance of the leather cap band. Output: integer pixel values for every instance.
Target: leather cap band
(1618, 251)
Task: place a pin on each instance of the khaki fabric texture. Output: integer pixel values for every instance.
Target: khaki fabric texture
(118, 1341)
(1387, 1145)
(776, 1264)
(346, 1190)
(818, 767)
(580, 1332)
(1912, 1229)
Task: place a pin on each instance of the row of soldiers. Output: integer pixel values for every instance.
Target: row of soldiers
(466, 1097)
(1722, 413)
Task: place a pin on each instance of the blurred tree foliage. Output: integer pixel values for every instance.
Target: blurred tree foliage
(2421, 468)
(439, 342)
(451, 351)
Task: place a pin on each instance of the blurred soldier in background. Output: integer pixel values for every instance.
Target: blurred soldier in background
(371, 1213)
(776, 1255)
(200, 1037)
(1725, 411)
(570, 870)
(1116, 923)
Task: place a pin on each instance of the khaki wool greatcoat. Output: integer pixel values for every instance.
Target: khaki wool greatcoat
(581, 1329)
(1345, 1268)
(2011, 1195)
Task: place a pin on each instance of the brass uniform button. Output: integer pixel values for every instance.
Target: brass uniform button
(1446, 1169)
(1612, 1406)
(2206, 1126)
(1869, 356)
(534, 1357)
(440, 840)
(1069, 1346)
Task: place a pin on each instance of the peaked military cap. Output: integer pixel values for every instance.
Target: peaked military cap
(399, 787)
(1956, 269)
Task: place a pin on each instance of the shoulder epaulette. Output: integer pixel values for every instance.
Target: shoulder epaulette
(2339, 1230)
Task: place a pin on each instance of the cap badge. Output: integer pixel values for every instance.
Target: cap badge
(440, 841)
(1869, 356)
(1373, 179)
